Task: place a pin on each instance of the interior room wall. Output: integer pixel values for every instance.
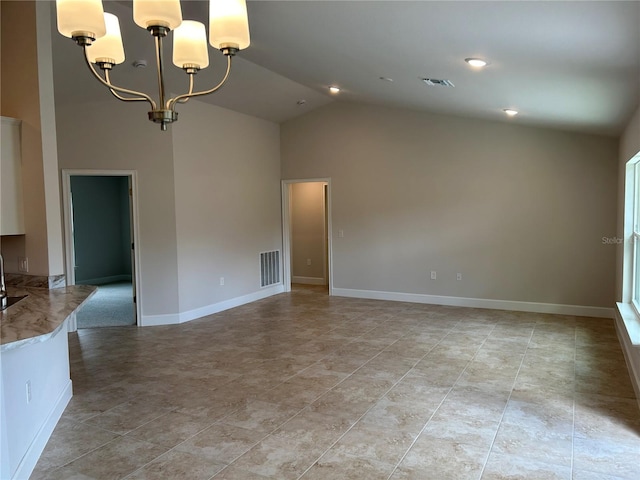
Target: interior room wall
(111, 135)
(27, 94)
(228, 210)
(102, 234)
(307, 233)
(519, 211)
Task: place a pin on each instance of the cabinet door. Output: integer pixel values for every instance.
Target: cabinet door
(11, 208)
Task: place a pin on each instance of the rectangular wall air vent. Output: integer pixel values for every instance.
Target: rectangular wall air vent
(435, 82)
(269, 268)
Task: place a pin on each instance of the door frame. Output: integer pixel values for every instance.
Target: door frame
(286, 230)
(68, 226)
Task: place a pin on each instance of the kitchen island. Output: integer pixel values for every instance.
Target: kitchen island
(36, 384)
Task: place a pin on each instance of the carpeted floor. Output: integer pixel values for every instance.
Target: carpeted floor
(111, 306)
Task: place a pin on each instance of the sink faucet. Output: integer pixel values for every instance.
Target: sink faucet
(3, 287)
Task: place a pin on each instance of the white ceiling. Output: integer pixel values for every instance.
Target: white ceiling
(562, 64)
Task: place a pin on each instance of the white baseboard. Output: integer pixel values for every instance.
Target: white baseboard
(628, 331)
(309, 280)
(104, 280)
(157, 320)
(30, 459)
(582, 311)
(182, 317)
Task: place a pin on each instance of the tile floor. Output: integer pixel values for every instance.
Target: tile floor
(302, 385)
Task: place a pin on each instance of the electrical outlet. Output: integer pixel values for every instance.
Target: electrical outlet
(308, 261)
(458, 276)
(433, 275)
(221, 281)
(23, 264)
(28, 387)
(341, 233)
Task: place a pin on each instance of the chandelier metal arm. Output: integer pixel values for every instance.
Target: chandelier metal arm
(117, 95)
(185, 100)
(112, 87)
(172, 102)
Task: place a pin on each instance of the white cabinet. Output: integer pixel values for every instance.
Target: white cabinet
(11, 202)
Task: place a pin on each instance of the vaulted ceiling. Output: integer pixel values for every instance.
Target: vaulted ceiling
(562, 64)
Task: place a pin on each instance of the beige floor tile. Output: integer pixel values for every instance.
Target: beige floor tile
(221, 443)
(545, 446)
(605, 384)
(509, 467)
(478, 431)
(584, 475)
(476, 401)
(340, 465)
(177, 464)
(377, 443)
(278, 458)
(440, 459)
(607, 457)
(413, 388)
(407, 416)
(116, 459)
(233, 473)
(313, 429)
(549, 415)
(127, 416)
(71, 440)
(170, 429)
(604, 417)
(260, 416)
(296, 392)
(354, 380)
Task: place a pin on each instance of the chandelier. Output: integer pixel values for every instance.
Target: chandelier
(98, 34)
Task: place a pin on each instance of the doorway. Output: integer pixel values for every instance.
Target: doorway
(306, 213)
(100, 232)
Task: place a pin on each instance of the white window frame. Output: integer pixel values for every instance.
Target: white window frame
(635, 239)
(628, 311)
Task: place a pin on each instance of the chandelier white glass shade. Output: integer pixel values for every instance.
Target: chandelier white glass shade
(98, 33)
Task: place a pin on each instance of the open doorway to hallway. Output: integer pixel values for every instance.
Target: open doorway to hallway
(100, 241)
(306, 233)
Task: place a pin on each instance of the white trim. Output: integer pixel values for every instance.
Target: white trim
(629, 320)
(68, 226)
(32, 455)
(579, 310)
(183, 317)
(286, 230)
(628, 330)
(309, 280)
(157, 320)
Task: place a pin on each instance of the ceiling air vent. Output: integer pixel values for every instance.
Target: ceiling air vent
(435, 82)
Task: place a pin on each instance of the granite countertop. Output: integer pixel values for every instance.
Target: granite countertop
(40, 315)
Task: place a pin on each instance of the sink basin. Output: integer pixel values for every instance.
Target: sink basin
(11, 301)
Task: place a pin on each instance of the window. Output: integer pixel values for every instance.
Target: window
(629, 307)
(635, 264)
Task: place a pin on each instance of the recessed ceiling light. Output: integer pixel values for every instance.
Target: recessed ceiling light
(301, 102)
(334, 89)
(510, 111)
(386, 79)
(476, 62)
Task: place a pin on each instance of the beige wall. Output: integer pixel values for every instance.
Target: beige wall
(227, 189)
(519, 211)
(27, 94)
(111, 135)
(307, 232)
